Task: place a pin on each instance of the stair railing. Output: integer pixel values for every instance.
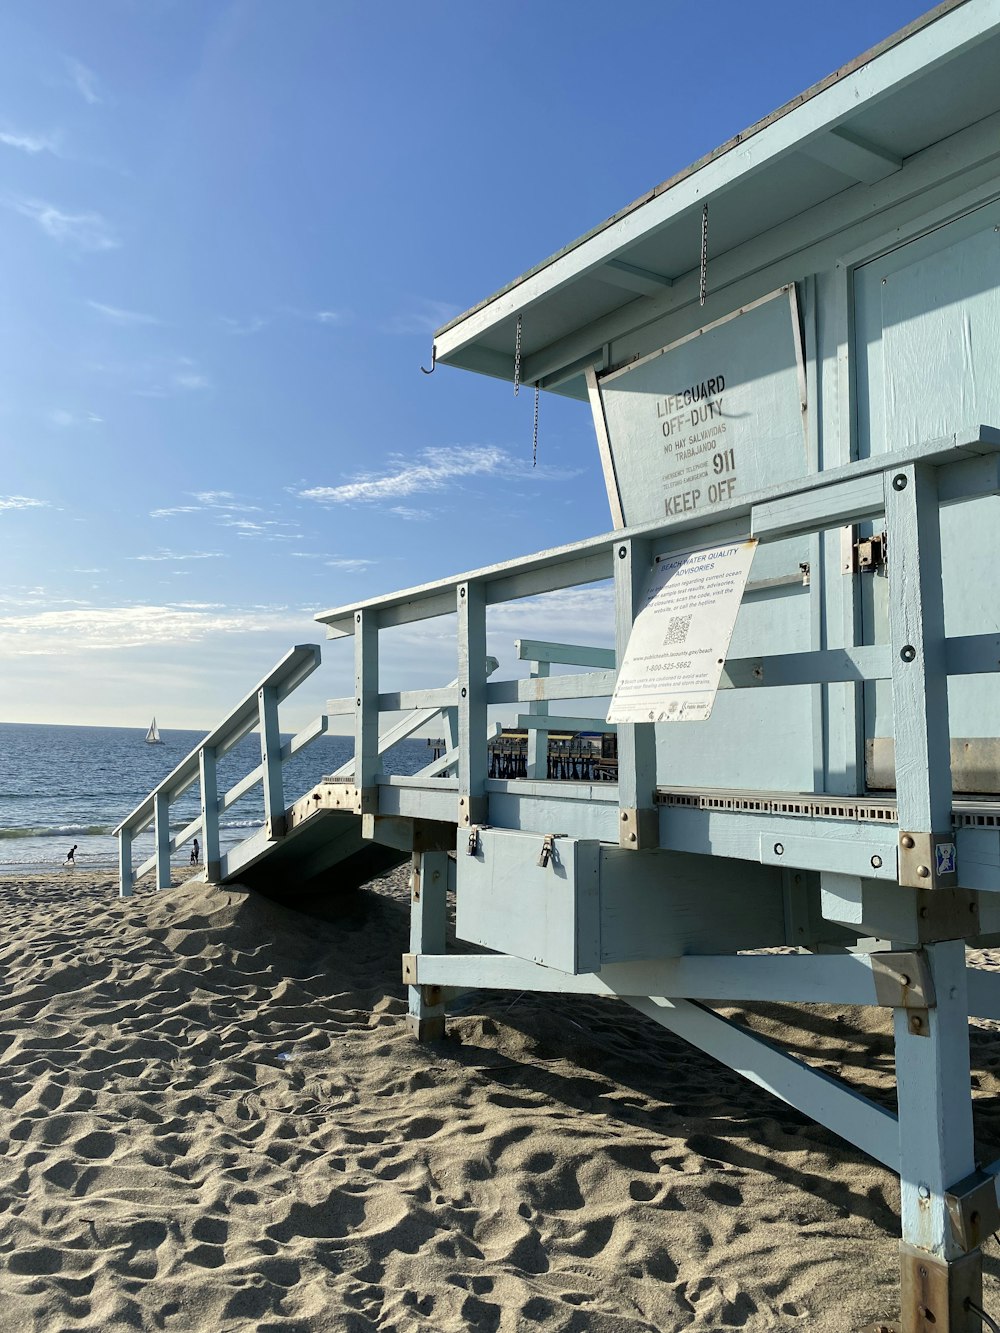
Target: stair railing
(258, 709)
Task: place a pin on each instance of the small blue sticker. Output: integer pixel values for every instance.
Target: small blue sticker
(944, 853)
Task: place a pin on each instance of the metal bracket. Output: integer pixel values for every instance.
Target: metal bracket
(473, 847)
(471, 810)
(934, 1291)
(903, 980)
(973, 1209)
(639, 830)
(548, 849)
(927, 860)
(947, 914)
(871, 554)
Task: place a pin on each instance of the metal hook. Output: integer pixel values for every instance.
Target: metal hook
(434, 352)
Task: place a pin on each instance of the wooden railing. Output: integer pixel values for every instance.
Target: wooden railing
(259, 709)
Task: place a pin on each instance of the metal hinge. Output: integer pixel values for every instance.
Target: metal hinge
(865, 556)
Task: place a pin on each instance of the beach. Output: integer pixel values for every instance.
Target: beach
(212, 1118)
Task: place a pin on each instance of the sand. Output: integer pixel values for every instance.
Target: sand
(212, 1118)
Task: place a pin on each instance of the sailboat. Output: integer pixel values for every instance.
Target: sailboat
(153, 734)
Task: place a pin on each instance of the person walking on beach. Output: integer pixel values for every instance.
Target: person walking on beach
(71, 855)
(195, 853)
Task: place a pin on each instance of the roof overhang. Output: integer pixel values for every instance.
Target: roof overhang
(924, 84)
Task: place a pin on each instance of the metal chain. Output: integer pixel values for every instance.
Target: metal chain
(703, 288)
(517, 359)
(534, 442)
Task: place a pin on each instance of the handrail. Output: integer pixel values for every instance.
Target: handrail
(298, 663)
(258, 708)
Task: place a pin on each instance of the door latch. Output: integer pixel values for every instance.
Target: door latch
(548, 851)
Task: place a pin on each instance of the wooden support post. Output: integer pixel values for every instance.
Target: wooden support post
(428, 923)
(538, 740)
(366, 758)
(209, 814)
(919, 680)
(638, 825)
(161, 834)
(270, 758)
(125, 878)
(473, 758)
(936, 1151)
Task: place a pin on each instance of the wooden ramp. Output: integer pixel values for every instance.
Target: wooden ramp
(322, 850)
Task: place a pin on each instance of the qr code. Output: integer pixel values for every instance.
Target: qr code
(677, 629)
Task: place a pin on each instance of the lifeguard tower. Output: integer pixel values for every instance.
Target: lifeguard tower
(790, 352)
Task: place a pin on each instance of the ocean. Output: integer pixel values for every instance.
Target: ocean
(66, 785)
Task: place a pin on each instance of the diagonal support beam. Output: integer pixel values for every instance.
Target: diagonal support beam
(856, 157)
(823, 1099)
(630, 278)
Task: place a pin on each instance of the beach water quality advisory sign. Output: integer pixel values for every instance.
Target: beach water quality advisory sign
(678, 645)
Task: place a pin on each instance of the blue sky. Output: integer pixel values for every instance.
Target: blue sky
(228, 232)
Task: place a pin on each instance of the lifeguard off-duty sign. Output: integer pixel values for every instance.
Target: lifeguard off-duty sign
(718, 414)
(676, 651)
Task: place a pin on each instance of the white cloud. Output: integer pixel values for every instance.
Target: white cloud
(243, 326)
(433, 470)
(270, 529)
(26, 142)
(351, 566)
(411, 515)
(161, 377)
(175, 509)
(69, 631)
(123, 317)
(85, 81)
(191, 379)
(21, 502)
(423, 317)
(181, 555)
(88, 231)
(330, 316)
(59, 416)
(224, 502)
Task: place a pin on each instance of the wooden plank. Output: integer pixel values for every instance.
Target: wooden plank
(161, 838)
(785, 979)
(585, 685)
(428, 930)
(806, 844)
(270, 760)
(403, 700)
(565, 654)
(636, 741)
(209, 812)
(126, 877)
(872, 662)
(935, 1109)
(542, 723)
(916, 627)
(855, 1118)
(861, 159)
(366, 723)
(472, 702)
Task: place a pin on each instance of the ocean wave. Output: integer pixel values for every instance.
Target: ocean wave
(61, 831)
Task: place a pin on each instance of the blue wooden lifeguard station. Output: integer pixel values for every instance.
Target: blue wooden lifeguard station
(796, 341)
